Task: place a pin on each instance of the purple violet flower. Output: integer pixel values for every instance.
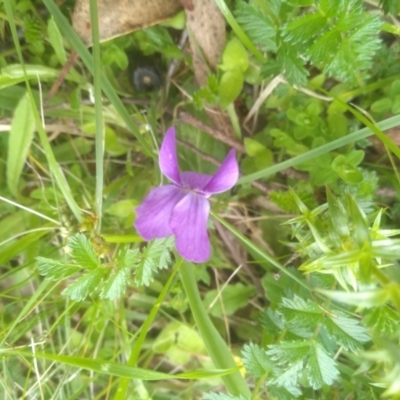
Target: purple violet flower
(182, 208)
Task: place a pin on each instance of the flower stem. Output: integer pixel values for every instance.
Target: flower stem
(216, 346)
(133, 358)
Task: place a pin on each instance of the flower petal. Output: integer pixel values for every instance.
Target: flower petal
(153, 215)
(225, 177)
(194, 181)
(168, 158)
(189, 224)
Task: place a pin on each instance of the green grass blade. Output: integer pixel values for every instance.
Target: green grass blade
(116, 369)
(335, 144)
(19, 142)
(238, 30)
(373, 127)
(98, 112)
(263, 256)
(216, 346)
(68, 32)
(20, 245)
(134, 356)
(54, 167)
(44, 290)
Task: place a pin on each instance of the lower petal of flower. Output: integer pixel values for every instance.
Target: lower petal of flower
(153, 215)
(189, 224)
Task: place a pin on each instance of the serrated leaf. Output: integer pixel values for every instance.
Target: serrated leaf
(291, 65)
(302, 316)
(283, 393)
(116, 284)
(288, 353)
(128, 258)
(272, 322)
(339, 37)
(55, 270)
(289, 376)
(84, 286)
(257, 25)
(255, 360)
(303, 28)
(155, 256)
(347, 332)
(82, 251)
(321, 368)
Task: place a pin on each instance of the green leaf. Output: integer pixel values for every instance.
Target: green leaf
(19, 142)
(84, 286)
(290, 375)
(179, 335)
(253, 147)
(128, 258)
(337, 216)
(371, 298)
(321, 368)
(339, 37)
(272, 322)
(361, 233)
(303, 28)
(346, 170)
(255, 360)
(230, 86)
(6, 81)
(283, 393)
(56, 41)
(346, 332)
(113, 54)
(55, 270)
(41, 72)
(232, 298)
(390, 6)
(234, 56)
(82, 251)
(381, 106)
(116, 284)
(122, 208)
(257, 25)
(155, 256)
(291, 65)
(302, 317)
(288, 353)
(383, 320)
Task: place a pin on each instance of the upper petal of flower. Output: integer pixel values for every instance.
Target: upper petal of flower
(153, 215)
(189, 224)
(225, 177)
(168, 158)
(194, 181)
